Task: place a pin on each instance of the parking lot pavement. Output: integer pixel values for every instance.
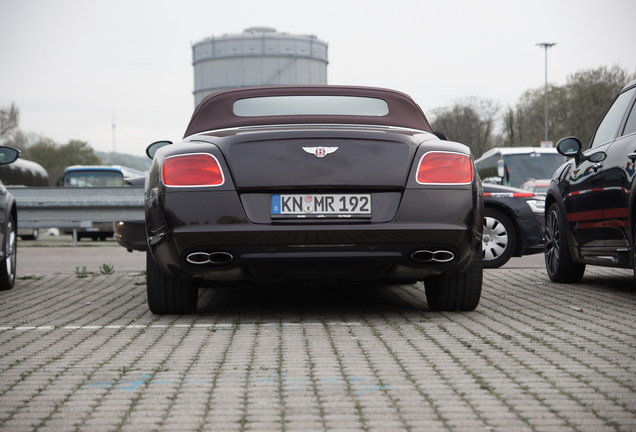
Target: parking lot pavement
(54, 254)
(85, 354)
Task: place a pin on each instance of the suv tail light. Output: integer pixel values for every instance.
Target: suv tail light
(194, 169)
(437, 167)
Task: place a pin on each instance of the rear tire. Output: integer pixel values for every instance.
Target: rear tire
(168, 294)
(558, 260)
(456, 291)
(8, 263)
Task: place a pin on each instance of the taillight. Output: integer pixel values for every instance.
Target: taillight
(438, 167)
(195, 169)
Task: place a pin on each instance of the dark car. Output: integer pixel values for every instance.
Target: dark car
(89, 176)
(22, 172)
(591, 216)
(8, 225)
(131, 234)
(298, 183)
(536, 185)
(513, 223)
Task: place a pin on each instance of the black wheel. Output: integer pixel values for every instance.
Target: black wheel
(558, 260)
(8, 263)
(499, 239)
(456, 291)
(169, 294)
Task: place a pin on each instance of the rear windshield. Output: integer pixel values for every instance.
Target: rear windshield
(310, 105)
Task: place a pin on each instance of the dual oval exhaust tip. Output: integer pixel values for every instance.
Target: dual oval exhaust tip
(221, 258)
(214, 258)
(437, 256)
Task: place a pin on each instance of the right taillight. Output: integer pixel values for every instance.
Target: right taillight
(440, 167)
(194, 169)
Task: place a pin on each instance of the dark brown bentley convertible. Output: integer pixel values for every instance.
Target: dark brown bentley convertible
(279, 184)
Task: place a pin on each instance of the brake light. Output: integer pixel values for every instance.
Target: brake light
(194, 169)
(439, 167)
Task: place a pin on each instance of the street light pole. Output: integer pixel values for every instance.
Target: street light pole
(545, 46)
(113, 130)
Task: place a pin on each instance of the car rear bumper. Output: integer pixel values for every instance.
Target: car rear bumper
(131, 234)
(436, 231)
(269, 261)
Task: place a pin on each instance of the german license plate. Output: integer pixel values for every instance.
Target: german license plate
(321, 205)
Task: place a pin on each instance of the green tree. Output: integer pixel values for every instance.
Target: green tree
(55, 158)
(52, 156)
(470, 121)
(79, 153)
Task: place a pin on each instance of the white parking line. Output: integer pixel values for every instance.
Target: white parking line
(164, 326)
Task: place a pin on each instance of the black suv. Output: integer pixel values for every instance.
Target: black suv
(591, 206)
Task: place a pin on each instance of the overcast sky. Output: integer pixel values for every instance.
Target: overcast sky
(70, 64)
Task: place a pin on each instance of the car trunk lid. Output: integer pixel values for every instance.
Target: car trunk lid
(320, 162)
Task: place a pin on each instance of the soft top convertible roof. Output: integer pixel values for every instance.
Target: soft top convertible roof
(216, 111)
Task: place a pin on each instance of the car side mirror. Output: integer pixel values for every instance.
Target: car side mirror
(152, 148)
(8, 155)
(570, 147)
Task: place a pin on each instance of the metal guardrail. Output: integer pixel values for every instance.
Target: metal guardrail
(71, 207)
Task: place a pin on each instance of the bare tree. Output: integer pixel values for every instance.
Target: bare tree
(470, 121)
(10, 133)
(574, 109)
(589, 95)
(9, 120)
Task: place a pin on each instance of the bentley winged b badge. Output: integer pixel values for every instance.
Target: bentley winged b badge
(320, 152)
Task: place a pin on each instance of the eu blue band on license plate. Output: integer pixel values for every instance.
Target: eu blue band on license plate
(275, 204)
(321, 205)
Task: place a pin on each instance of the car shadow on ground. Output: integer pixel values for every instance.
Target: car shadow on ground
(623, 281)
(272, 303)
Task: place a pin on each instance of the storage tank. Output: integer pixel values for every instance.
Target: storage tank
(258, 56)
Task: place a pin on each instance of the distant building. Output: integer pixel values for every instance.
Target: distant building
(258, 56)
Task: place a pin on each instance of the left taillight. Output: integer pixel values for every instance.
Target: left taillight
(438, 167)
(195, 169)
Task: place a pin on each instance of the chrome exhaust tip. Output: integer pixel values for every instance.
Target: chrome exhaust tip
(423, 256)
(443, 256)
(215, 258)
(427, 256)
(220, 257)
(198, 258)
